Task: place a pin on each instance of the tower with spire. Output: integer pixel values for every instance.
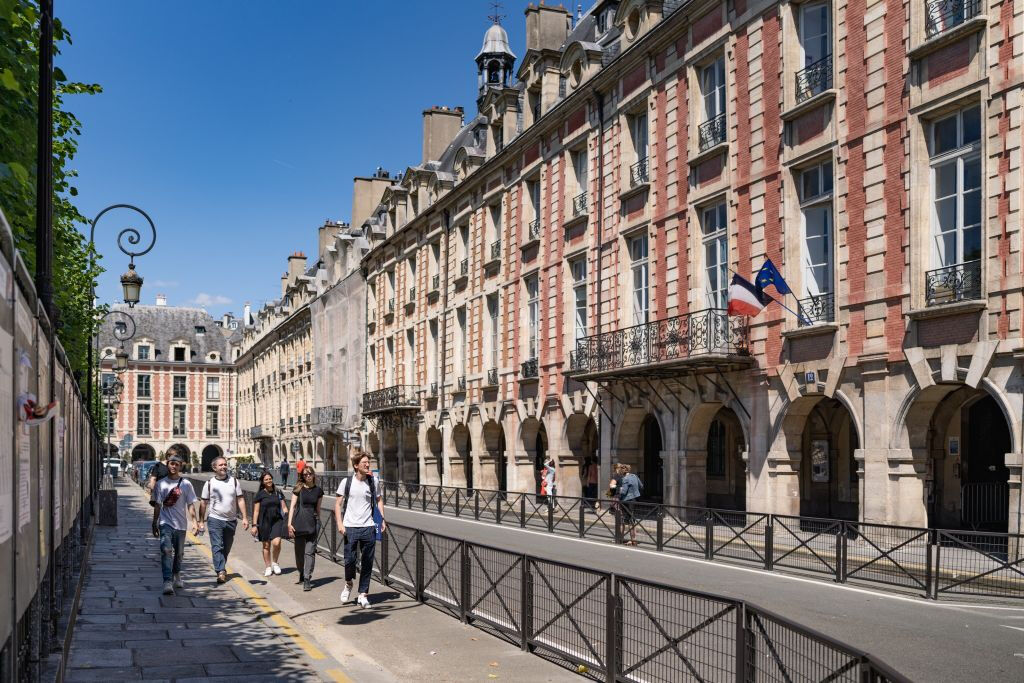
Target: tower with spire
(495, 61)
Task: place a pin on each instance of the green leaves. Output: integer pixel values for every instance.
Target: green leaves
(8, 80)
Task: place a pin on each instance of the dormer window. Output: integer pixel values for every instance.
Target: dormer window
(142, 352)
(179, 353)
(633, 24)
(576, 73)
(200, 329)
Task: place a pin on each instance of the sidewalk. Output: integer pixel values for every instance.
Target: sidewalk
(127, 630)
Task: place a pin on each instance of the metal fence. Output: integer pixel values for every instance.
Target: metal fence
(49, 474)
(925, 561)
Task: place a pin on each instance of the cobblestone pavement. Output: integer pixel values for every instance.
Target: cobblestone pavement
(127, 630)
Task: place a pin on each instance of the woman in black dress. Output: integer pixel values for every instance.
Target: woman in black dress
(304, 523)
(269, 512)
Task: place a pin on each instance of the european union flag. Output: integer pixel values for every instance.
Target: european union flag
(770, 275)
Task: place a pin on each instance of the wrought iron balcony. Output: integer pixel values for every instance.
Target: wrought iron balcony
(579, 204)
(816, 309)
(464, 267)
(492, 377)
(398, 397)
(815, 79)
(534, 230)
(703, 337)
(460, 384)
(942, 15)
(435, 283)
(256, 432)
(326, 415)
(960, 282)
(530, 369)
(433, 388)
(711, 133)
(496, 250)
(390, 312)
(638, 173)
(411, 300)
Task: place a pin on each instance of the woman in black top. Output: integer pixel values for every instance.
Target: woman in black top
(304, 523)
(269, 512)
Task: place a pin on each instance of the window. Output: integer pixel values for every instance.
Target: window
(716, 255)
(178, 419)
(371, 379)
(716, 449)
(816, 211)
(432, 352)
(142, 419)
(815, 32)
(200, 330)
(464, 241)
(179, 354)
(212, 420)
(389, 368)
(179, 387)
(495, 214)
(409, 366)
(460, 349)
(533, 313)
(639, 269)
(435, 259)
(143, 386)
(533, 189)
(213, 388)
(121, 330)
(638, 135)
(712, 88)
(492, 314)
(579, 290)
(579, 167)
(956, 188)
(142, 353)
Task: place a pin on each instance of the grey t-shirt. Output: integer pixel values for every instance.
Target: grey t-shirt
(174, 515)
(222, 495)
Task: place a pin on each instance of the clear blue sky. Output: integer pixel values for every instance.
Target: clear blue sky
(239, 125)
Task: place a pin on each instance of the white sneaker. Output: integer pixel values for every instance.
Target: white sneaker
(268, 571)
(178, 583)
(168, 588)
(363, 602)
(276, 567)
(346, 594)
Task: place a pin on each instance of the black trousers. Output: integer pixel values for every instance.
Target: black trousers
(305, 554)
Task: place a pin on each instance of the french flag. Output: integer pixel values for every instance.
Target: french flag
(745, 298)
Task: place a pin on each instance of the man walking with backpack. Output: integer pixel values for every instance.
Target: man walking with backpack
(358, 512)
(173, 496)
(628, 491)
(224, 496)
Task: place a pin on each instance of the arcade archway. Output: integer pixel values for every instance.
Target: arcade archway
(210, 453)
(143, 451)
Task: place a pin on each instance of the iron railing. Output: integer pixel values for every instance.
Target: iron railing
(529, 369)
(711, 133)
(460, 384)
(435, 283)
(496, 250)
(817, 308)
(942, 15)
(815, 79)
(711, 331)
(902, 557)
(984, 503)
(411, 299)
(464, 267)
(533, 231)
(638, 173)
(492, 377)
(391, 398)
(960, 282)
(579, 204)
(256, 432)
(391, 306)
(326, 415)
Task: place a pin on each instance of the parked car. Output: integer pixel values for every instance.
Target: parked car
(113, 466)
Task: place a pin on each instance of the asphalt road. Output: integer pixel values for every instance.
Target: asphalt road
(922, 639)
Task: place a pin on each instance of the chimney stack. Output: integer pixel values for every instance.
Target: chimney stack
(366, 194)
(547, 26)
(296, 266)
(246, 315)
(161, 299)
(440, 126)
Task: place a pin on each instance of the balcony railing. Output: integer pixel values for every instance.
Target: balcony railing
(534, 230)
(400, 396)
(435, 283)
(820, 308)
(815, 79)
(433, 388)
(326, 415)
(391, 306)
(412, 294)
(464, 267)
(579, 204)
(683, 337)
(460, 384)
(638, 173)
(942, 15)
(256, 432)
(530, 369)
(711, 133)
(961, 282)
(496, 250)
(492, 377)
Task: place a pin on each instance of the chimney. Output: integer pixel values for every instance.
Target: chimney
(547, 27)
(440, 126)
(284, 285)
(366, 194)
(296, 266)
(328, 232)
(161, 299)
(246, 314)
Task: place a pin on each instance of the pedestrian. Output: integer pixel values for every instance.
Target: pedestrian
(283, 469)
(550, 475)
(223, 494)
(590, 475)
(629, 490)
(304, 524)
(358, 509)
(158, 471)
(174, 496)
(268, 516)
(300, 465)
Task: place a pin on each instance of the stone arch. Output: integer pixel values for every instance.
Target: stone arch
(143, 451)
(210, 452)
(435, 447)
(534, 439)
(699, 418)
(409, 455)
(582, 437)
(462, 463)
(725, 468)
(829, 482)
(494, 468)
(321, 455)
(184, 450)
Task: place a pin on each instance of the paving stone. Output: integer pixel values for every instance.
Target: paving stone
(175, 671)
(91, 658)
(240, 668)
(102, 619)
(127, 673)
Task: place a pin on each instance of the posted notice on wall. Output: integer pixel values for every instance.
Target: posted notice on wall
(7, 435)
(58, 477)
(24, 476)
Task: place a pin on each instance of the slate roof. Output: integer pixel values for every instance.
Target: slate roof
(163, 324)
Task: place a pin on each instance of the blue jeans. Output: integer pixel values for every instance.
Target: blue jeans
(172, 547)
(222, 535)
(365, 536)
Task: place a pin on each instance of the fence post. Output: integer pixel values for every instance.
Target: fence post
(745, 656)
(551, 516)
(464, 588)
(526, 603)
(613, 630)
(458, 495)
(334, 538)
(440, 500)
(938, 564)
(423, 498)
(384, 567)
(522, 510)
(660, 529)
(418, 588)
(839, 554)
(583, 504)
(476, 505)
(769, 543)
(709, 535)
(497, 509)
(617, 510)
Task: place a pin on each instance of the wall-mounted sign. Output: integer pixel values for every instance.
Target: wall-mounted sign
(809, 378)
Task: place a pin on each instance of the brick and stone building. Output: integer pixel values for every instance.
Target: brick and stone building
(550, 280)
(179, 387)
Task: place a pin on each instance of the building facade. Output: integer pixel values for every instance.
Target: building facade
(551, 280)
(179, 387)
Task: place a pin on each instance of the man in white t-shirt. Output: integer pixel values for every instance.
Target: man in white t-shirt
(357, 499)
(223, 495)
(174, 498)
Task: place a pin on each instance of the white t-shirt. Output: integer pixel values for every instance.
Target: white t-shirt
(174, 516)
(358, 512)
(223, 496)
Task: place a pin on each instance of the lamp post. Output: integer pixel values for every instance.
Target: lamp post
(123, 331)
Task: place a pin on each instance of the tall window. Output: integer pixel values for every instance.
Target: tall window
(816, 209)
(638, 134)
(391, 284)
(640, 272)
(143, 352)
(956, 188)
(712, 88)
(533, 314)
(462, 356)
(432, 352)
(371, 376)
(579, 167)
(143, 386)
(179, 387)
(492, 313)
(213, 388)
(212, 420)
(579, 291)
(716, 449)
(715, 234)
(495, 213)
(435, 258)
(533, 188)
(142, 419)
(815, 32)
(410, 364)
(178, 420)
(464, 240)
(389, 367)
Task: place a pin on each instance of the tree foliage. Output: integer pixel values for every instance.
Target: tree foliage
(73, 277)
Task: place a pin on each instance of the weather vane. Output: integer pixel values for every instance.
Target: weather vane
(496, 17)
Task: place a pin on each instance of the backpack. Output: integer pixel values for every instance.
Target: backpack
(374, 512)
